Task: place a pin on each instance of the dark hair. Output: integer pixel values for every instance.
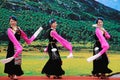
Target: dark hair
(51, 21)
(99, 18)
(13, 18)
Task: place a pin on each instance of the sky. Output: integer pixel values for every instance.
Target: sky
(115, 4)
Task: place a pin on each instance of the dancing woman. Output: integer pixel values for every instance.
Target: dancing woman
(53, 65)
(100, 63)
(13, 58)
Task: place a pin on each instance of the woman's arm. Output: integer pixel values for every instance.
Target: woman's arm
(107, 36)
(104, 45)
(24, 36)
(61, 40)
(29, 41)
(17, 45)
(103, 42)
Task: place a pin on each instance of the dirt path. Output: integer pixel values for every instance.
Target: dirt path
(63, 78)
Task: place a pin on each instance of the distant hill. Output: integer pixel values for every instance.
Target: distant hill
(72, 9)
(74, 17)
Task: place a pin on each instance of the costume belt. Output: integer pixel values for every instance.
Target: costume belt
(52, 42)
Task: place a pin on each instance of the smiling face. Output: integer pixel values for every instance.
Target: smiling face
(54, 25)
(13, 22)
(100, 23)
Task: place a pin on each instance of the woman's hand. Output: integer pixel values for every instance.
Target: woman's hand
(103, 30)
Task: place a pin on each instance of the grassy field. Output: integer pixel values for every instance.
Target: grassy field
(33, 62)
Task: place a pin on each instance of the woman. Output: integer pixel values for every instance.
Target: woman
(100, 64)
(13, 61)
(53, 66)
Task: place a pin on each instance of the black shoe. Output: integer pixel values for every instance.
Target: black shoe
(103, 76)
(10, 76)
(57, 77)
(15, 77)
(48, 75)
(96, 75)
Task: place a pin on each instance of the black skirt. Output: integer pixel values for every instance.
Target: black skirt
(53, 65)
(11, 68)
(100, 65)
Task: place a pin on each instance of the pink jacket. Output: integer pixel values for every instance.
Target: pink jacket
(61, 40)
(102, 39)
(16, 43)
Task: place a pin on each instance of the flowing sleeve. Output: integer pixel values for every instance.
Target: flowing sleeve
(29, 41)
(17, 45)
(107, 35)
(61, 40)
(25, 37)
(103, 42)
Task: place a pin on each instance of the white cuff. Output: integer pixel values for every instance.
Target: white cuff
(93, 57)
(4, 61)
(37, 32)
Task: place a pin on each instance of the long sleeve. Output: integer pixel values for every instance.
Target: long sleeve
(29, 41)
(61, 40)
(107, 35)
(17, 45)
(24, 36)
(104, 43)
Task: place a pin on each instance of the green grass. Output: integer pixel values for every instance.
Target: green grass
(33, 62)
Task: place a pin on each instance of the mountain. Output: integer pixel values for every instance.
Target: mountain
(71, 9)
(73, 16)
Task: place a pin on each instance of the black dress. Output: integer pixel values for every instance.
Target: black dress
(100, 65)
(12, 68)
(53, 65)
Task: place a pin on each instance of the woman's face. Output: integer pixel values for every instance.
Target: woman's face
(100, 23)
(13, 22)
(54, 25)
